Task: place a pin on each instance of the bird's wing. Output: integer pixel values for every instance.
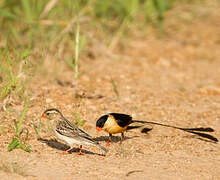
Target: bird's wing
(122, 119)
(66, 128)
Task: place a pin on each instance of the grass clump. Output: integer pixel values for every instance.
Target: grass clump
(79, 121)
(91, 25)
(44, 20)
(21, 134)
(12, 68)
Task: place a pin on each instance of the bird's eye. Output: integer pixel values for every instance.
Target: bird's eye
(47, 114)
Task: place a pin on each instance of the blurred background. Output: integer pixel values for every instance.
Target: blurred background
(35, 32)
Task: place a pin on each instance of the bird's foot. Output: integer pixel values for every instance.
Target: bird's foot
(108, 143)
(80, 151)
(65, 152)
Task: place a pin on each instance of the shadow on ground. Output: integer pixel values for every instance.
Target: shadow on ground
(53, 143)
(114, 139)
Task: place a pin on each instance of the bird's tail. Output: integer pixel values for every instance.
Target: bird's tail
(198, 131)
(133, 127)
(143, 130)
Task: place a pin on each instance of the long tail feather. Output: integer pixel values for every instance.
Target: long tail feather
(208, 136)
(199, 129)
(189, 130)
(133, 127)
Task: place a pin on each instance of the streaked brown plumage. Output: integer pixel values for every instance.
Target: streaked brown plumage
(68, 132)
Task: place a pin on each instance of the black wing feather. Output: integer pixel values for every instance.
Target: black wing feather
(122, 119)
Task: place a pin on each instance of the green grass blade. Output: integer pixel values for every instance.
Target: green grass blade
(115, 88)
(77, 51)
(21, 119)
(27, 9)
(14, 144)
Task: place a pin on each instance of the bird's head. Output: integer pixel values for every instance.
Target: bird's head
(101, 122)
(52, 114)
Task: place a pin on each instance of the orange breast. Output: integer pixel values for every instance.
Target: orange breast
(112, 127)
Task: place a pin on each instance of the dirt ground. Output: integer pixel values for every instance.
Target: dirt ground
(173, 80)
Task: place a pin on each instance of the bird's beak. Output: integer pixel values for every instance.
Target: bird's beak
(98, 128)
(43, 115)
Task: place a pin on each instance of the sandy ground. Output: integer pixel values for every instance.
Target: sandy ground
(173, 80)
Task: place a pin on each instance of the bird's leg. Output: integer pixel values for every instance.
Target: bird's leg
(67, 151)
(109, 139)
(80, 150)
(122, 137)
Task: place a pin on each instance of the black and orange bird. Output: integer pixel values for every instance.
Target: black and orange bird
(114, 123)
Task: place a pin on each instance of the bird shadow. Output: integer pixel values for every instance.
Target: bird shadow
(200, 138)
(114, 139)
(53, 143)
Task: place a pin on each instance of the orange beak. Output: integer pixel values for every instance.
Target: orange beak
(98, 128)
(43, 115)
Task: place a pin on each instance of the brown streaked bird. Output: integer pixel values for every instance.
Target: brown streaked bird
(68, 132)
(114, 123)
